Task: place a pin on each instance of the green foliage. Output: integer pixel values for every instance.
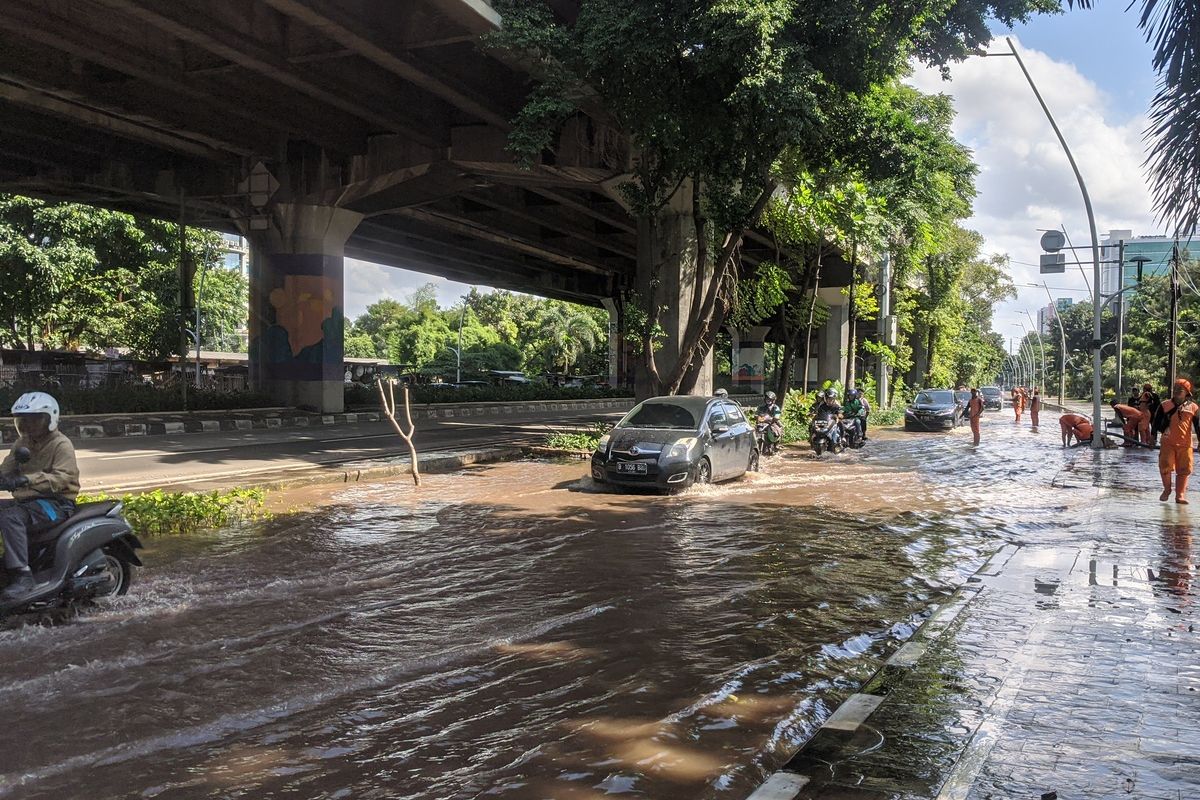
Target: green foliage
(797, 413)
(358, 395)
(578, 440)
(760, 295)
(78, 277)
(160, 512)
(894, 415)
(139, 398)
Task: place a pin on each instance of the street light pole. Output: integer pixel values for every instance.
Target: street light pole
(1041, 347)
(1120, 316)
(1097, 435)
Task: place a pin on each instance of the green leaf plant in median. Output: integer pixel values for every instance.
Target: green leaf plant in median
(160, 512)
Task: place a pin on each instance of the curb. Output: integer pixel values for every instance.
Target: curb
(845, 721)
(343, 472)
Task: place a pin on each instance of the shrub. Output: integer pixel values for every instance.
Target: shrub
(887, 416)
(136, 398)
(160, 512)
(797, 411)
(364, 395)
(578, 440)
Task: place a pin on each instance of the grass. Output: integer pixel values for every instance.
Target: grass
(577, 440)
(160, 512)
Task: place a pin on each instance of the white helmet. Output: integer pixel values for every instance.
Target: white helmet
(32, 403)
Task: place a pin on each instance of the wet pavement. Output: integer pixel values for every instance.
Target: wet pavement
(1070, 668)
(514, 631)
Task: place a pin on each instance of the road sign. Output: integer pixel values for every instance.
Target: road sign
(1053, 263)
(1053, 241)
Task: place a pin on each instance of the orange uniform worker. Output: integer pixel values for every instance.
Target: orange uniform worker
(1132, 419)
(1148, 403)
(1176, 453)
(1018, 401)
(1075, 425)
(1035, 406)
(974, 412)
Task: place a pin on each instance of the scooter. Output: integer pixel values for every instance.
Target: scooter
(768, 431)
(88, 556)
(851, 433)
(823, 436)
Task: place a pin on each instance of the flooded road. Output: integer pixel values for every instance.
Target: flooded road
(514, 631)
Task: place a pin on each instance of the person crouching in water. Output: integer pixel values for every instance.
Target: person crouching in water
(43, 488)
(1176, 453)
(1077, 426)
(1131, 419)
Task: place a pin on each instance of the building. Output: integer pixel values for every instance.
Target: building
(1049, 312)
(1156, 248)
(236, 253)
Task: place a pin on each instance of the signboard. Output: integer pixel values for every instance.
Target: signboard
(1053, 263)
(1053, 241)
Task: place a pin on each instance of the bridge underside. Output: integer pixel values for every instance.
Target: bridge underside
(320, 129)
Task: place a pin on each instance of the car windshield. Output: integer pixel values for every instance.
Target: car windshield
(990, 391)
(942, 398)
(659, 415)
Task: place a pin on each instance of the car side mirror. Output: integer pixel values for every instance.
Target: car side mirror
(22, 454)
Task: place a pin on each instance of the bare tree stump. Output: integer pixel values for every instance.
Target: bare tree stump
(388, 399)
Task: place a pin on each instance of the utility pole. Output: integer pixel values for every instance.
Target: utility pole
(885, 320)
(1171, 342)
(1120, 316)
(1062, 364)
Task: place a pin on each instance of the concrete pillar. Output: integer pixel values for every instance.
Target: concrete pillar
(834, 338)
(749, 367)
(674, 244)
(616, 342)
(296, 302)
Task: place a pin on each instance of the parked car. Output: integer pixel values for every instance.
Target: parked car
(673, 442)
(963, 396)
(933, 409)
(993, 400)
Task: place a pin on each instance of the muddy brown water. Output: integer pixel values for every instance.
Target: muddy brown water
(514, 630)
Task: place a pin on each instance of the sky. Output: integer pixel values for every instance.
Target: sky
(1094, 69)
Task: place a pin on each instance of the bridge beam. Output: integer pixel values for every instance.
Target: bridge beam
(296, 305)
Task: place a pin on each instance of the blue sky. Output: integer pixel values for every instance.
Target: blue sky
(1093, 67)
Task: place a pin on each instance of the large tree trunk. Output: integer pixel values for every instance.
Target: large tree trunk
(852, 318)
(647, 382)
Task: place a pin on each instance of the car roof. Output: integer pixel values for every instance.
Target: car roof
(690, 402)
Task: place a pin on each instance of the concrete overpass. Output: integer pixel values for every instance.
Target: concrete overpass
(319, 129)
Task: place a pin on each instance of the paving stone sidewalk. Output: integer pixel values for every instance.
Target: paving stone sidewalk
(1069, 669)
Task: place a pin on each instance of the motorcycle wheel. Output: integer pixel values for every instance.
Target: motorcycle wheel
(120, 570)
(817, 447)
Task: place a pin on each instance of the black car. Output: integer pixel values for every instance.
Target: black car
(673, 442)
(963, 396)
(993, 400)
(934, 410)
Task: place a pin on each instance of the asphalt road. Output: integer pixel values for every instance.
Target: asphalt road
(129, 463)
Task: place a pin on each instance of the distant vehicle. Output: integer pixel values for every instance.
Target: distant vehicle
(672, 442)
(470, 385)
(504, 377)
(963, 396)
(933, 409)
(993, 400)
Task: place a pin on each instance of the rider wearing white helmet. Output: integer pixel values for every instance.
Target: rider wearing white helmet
(44, 486)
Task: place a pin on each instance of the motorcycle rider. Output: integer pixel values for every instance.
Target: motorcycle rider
(855, 409)
(771, 414)
(43, 488)
(829, 409)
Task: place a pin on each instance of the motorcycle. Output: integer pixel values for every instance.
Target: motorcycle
(88, 556)
(768, 432)
(851, 433)
(822, 436)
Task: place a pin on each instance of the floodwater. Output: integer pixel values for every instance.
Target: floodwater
(514, 631)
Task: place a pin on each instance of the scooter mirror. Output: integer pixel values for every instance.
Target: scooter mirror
(22, 454)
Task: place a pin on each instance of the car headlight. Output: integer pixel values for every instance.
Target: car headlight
(602, 445)
(681, 448)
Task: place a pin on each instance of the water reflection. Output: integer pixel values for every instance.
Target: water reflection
(520, 634)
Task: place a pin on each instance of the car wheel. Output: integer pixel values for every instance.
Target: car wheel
(754, 461)
(704, 471)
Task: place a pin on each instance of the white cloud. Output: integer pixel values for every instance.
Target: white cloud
(1025, 181)
(366, 283)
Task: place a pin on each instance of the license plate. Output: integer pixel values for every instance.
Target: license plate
(632, 466)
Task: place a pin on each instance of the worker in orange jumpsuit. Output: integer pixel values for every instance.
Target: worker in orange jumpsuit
(1176, 452)
(1018, 401)
(1148, 403)
(1035, 406)
(975, 412)
(1132, 419)
(1075, 425)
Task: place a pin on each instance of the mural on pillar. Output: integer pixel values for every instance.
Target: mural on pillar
(303, 328)
(749, 374)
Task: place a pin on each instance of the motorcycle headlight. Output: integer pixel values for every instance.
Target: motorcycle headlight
(602, 445)
(681, 448)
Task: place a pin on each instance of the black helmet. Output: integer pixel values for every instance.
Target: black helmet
(831, 394)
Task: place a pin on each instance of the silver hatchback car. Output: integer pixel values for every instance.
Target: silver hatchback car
(673, 442)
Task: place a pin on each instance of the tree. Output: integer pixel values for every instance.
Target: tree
(75, 276)
(708, 94)
(568, 333)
